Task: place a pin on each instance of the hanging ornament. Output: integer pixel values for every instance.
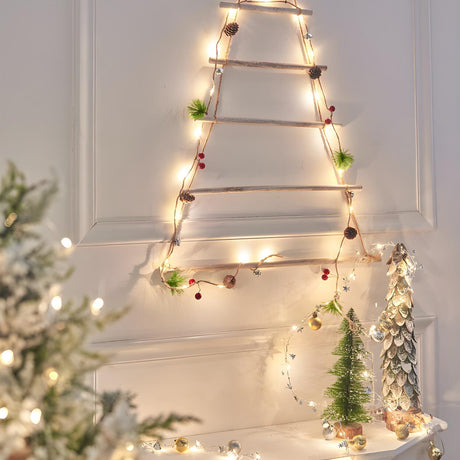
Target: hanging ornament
(198, 296)
(358, 442)
(231, 29)
(201, 155)
(329, 431)
(434, 452)
(324, 277)
(308, 36)
(314, 323)
(402, 431)
(201, 165)
(315, 72)
(219, 71)
(331, 108)
(327, 121)
(181, 444)
(350, 233)
(187, 197)
(229, 281)
(234, 446)
(191, 281)
(257, 272)
(376, 334)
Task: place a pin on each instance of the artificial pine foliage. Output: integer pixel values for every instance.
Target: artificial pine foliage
(343, 159)
(400, 381)
(197, 109)
(176, 280)
(348, 393)
(46, 406)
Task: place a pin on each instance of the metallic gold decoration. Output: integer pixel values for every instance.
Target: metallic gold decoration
(434, 452)
(314, 323)
(402, 431)
(358, 442)
(181, 444)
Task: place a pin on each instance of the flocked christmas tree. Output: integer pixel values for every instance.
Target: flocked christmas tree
(399, 362)
(46, 409)
(348, 393)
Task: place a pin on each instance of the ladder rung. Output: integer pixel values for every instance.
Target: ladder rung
(256, 121)
(367, 259)
(276, 188)
(265, 9)
(263, 64)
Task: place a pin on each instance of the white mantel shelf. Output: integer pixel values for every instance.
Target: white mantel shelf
(303, 441)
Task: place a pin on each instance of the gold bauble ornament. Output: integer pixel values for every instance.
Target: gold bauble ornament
(402, 431)
(314, 323)
(181, 444)
(358, 442)
(433, 452)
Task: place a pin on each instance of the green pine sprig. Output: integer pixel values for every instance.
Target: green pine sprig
(343, 159)
(197, 109)
(333, 307)
(175, 281)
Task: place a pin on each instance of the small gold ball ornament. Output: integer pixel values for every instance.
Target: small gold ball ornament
(402, 431)
(358, 442)
(181, 444)
(314, 323)
(433, 452)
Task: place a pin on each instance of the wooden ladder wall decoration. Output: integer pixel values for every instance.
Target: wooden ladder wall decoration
(325, 123)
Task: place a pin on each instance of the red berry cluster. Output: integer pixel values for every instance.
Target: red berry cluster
(201, 165)
(328, 121)
(198, 294)
(325, 274)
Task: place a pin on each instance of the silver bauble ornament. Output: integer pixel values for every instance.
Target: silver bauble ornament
(234, 446)
(329, 431)
(376, 334)
(434, 452)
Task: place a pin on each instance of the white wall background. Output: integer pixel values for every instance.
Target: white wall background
(96, 91)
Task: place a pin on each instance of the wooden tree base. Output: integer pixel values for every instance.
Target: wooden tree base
(23, 454)
(348, 431)
(414, 417)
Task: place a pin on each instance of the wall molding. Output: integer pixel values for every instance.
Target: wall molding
(89, 229)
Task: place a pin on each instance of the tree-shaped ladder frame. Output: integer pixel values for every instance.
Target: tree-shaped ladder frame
(187, 194)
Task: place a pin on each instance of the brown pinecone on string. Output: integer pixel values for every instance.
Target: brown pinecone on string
(229, 281)
(187, 197)
(350, 233)
(231, 29)
(315, 72)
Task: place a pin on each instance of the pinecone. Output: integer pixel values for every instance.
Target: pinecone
(187, 197)
(229, 281)
(350, 233)
(315, 72)
(231, 29)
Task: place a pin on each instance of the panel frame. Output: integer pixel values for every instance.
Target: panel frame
(90, 229)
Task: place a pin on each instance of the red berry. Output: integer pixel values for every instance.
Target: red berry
(331, 108)
(327, 121)
(326, 271)
(201, 155)
(191, 281)
(324, 277)
(201, 165)
(198, 296)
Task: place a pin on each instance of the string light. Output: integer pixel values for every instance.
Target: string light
(7, 357)
(52, 375)
(96, 306)
(66, 242)
(198, 132)
(129, 446)
(56, 302)
(35, 416)
(243, 257)
(3, 413)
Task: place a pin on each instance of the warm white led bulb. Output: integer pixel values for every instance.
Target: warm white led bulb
(56, 302)
(36, 416)
(96, 306)
(7, 357)
(129, 446)
(3, 413)
(243, 257)
(198, 131)
(66, 242)
(52, 375)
